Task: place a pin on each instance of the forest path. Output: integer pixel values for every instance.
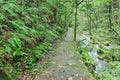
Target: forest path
(66, 65)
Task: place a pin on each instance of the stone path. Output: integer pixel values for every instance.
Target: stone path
(66, 65)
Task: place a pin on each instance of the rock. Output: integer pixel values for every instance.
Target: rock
(69, 64)
(107, 43)
(59, 65)
(77, 75)
(53, 62)
(70, 78)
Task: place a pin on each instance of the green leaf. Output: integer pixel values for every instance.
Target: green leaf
(8, 49)
(52, 34)
(18, 52)
(17, 41)
(2, 16)
(11, 41)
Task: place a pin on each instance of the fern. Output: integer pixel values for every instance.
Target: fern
(12, 43)
(32, 10)
(13, 1)
(40, 27)
(18, 52)
(12, 8)
(28, 18)
(52, 33)
(45, 9)
(15, 42)
(2, 16)
(8, 49)
(58, 28)
(24, 37)
(27, 25)
(16, 46)
(1, 50)
(1, 40)
(19, 25)
(8, 7)
(38, 54)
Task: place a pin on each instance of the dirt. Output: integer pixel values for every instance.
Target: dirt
(66, 65)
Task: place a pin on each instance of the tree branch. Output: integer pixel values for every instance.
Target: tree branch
(80, 2)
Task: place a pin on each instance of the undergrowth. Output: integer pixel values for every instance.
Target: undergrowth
(27, 32)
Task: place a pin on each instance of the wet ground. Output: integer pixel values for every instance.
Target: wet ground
(66, 65)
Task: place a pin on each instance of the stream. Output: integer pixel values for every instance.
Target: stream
(101, 63)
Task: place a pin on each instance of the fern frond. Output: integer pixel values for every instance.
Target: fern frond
(2, 16)
(19, 25)
(24, 37)
(52, 33)
(15, 41)
(45, 9)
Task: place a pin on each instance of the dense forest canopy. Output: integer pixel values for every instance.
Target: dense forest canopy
(29, 28)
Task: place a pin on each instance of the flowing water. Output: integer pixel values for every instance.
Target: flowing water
(101, 63)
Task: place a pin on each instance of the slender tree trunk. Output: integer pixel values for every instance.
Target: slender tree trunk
(76, 11)
(110, 12)
(110, 18)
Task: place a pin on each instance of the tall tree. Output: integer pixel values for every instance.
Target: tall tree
(77, 3)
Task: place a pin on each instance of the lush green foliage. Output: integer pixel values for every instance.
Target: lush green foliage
(101, 19)
(110, 73)
(27, 30)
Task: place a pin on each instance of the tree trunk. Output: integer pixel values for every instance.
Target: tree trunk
(110, 19)
(76, 11)
(110, 12)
